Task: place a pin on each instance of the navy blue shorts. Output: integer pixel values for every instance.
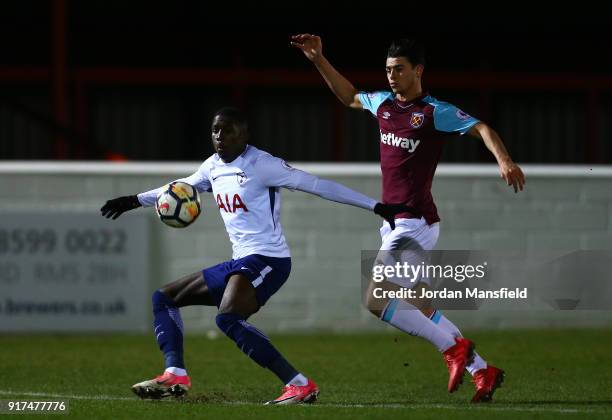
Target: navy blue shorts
(266, 274)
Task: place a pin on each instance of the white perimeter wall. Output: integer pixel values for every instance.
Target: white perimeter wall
(563, 207)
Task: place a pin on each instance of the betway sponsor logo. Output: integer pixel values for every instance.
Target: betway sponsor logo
(391, 140)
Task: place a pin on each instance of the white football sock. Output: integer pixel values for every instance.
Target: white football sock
(445, 324)
(406, 317)
(176, 371)
(299, 380)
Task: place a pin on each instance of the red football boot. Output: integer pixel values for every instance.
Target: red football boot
(457, 358)
(487, 380)
(293, 394)
(164, 385)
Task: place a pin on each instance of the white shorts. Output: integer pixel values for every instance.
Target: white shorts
(412, 237)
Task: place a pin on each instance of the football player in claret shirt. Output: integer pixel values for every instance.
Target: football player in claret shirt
(245, 182)
(413, 127)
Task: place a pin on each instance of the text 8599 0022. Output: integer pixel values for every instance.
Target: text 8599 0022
(73, 241)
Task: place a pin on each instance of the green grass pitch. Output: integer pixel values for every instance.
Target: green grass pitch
(549, 374)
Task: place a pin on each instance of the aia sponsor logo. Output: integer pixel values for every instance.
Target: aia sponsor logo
(417, 119)
(231, 206)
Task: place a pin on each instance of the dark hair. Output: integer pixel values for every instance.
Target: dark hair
(233, 114)
(413, 50)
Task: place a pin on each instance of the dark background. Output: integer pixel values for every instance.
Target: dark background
(140, 80)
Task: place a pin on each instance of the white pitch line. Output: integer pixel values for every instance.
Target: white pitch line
(332, 405)
(485, 407)
(66, 396)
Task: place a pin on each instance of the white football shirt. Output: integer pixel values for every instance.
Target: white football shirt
(246, 191)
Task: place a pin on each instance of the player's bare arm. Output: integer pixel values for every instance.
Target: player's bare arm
(509, 171)
(312, 47)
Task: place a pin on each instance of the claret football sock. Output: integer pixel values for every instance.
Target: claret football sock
(256, 345)
(168, 330)
(406, 317)
(445, 324)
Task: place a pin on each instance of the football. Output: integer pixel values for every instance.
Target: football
(178, 205)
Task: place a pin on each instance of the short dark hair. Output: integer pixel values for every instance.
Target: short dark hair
(235, 115)
(413, 50)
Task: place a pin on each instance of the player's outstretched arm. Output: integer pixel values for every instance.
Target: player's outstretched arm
(117, 206)
(198, 180)
(509, 171)
(334, 191)
(312, 47)
(275, 172)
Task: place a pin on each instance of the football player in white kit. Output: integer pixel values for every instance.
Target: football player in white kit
(245, 182)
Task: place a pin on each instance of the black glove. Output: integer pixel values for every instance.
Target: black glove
(117, 206)
(388, 211)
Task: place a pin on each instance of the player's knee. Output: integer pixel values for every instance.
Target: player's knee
(160, 300)
(227, 321)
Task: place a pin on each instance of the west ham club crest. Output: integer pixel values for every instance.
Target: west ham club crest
(417, 119)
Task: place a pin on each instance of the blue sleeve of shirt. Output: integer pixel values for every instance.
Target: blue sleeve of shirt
(372, 100)
(450, 119)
